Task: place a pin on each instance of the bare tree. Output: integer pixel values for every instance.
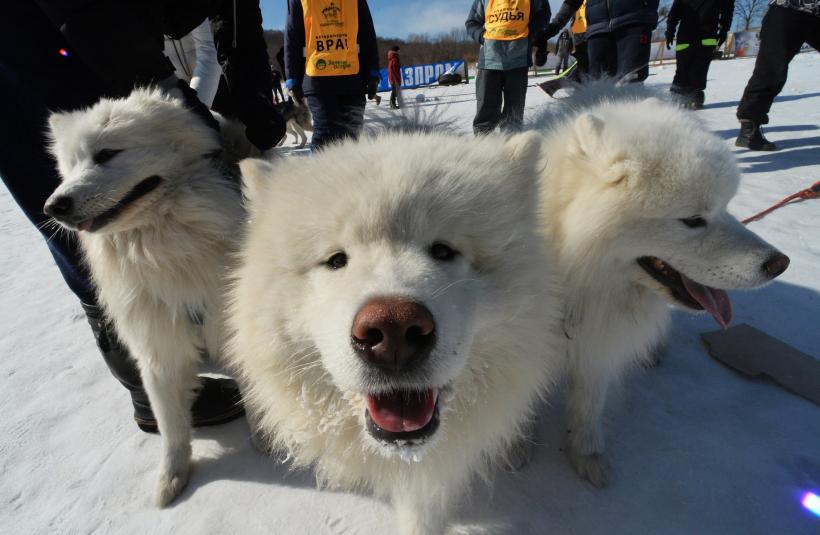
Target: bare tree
(748, 12)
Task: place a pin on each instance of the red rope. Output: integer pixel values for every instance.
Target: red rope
(808, 193)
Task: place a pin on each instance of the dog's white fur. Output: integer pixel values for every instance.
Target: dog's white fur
(163, 261)
(291, 315)
(621, 171)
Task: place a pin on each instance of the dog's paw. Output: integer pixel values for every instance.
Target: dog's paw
(593, 467)
(169, 485)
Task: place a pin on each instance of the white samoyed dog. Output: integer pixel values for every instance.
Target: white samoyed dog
(389, 312)
(633, 206)
(148, 188)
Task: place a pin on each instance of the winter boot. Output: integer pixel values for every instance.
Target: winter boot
(752, 138)
(217, 402)
(698, 98)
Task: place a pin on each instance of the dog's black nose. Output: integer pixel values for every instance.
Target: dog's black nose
(775, 265)
(59, 206)
(393, 334)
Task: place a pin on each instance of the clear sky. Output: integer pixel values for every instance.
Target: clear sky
(396, 18)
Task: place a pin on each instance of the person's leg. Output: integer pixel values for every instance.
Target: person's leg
(350, 116)
(323, 111)
(811, 33)
(633, 45)
(780, 39)
(683, 66)
(601, 55)
(515, 95)
(581, 56)
(394, 96)
(700, 69)
(489, 86)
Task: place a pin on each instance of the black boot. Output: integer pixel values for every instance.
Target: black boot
(752, 138)
(218, 401)
(698, 99)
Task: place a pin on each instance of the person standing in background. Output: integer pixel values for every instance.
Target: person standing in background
(331, 58)
(786, 26)
(394, 76)
(564, 48)
(507, 30)
(704, 25)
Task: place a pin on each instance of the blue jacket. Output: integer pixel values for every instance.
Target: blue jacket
(354, 84)
(604, 16)
(506, 55)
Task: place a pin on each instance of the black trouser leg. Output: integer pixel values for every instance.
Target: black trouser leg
(394, 96)
(633, 45)
(782, 34)
(602, 55)
(700, 66)
(693, 65)
(515, 96)
(582, 58)
(489, 88)
(335, 117)
(683, 68)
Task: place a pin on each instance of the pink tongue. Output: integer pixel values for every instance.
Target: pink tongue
(85, 225)
(715, 302)
(399, 412)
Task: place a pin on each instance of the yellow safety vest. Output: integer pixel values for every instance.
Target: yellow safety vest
(331, 30)
(507, 20)
(579, 24)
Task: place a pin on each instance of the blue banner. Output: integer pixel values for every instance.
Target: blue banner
(421, 75)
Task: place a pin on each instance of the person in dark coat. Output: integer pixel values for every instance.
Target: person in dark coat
(507, 33)
(322, 64)
(704, 25)
(786, 26)
(619, 35)
(564, 49)
(394, 76)
(67, 54)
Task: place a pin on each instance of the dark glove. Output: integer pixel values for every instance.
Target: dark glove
(372, 87)
(541, 56)
(670, 38)
(179, 89)
(721, 37)
(266, 129)
(539, 45)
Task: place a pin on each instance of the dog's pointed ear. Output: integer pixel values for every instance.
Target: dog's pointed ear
(256, 174)
(524, 146)
(56, 122)
(589, 131)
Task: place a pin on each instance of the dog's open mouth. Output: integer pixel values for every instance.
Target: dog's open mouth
(688, 292)
(402, 417)
(137, 192)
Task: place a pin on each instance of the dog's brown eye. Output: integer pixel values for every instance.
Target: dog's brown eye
(442, 252)
(694, 222)
(102, 156)
(337, 261)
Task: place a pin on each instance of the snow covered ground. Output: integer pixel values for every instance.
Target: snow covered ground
(697, 449)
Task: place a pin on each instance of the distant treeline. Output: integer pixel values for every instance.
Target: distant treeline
(416, 49)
